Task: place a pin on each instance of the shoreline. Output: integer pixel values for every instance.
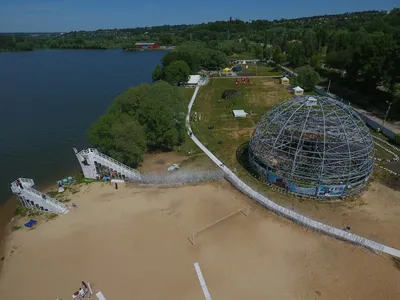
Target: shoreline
(7, 215)
(6, 219)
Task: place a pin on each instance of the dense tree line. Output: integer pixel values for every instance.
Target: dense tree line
(147, 117)
(186, 59)
(359, 50)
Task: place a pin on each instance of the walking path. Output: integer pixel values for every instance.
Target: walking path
(287, 213)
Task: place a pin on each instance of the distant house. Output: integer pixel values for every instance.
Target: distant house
(240, 113)
(298, 91)
(193, 81)
(284, 80)
(147, 46)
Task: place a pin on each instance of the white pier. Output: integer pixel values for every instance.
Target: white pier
(96, 165)
(24, 189)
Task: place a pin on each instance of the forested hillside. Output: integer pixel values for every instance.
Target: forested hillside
(360, 51)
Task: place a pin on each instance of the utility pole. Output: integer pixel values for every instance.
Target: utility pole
(387, 113)
(329, 86)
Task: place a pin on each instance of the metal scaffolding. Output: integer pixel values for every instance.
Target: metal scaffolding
(314, 141)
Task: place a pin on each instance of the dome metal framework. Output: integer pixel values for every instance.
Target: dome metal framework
(313, 145)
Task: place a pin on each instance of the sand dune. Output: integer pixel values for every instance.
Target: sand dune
(132, 244)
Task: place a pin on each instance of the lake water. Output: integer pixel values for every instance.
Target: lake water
(49, 98)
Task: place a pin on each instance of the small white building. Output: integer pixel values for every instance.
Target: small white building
(240, 113)
(193, 80)
(284, 80)
(298, 91)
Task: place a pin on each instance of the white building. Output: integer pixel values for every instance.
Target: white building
(284, 80)
(193, 80)
(298, 91)
(240, 113)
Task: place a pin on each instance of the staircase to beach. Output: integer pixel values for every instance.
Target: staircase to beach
(33, 199)
(96, 165)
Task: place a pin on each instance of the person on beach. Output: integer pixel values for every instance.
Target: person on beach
(116, 186)
(75, 295)
(82, 292)
(84, 285)
(19, 184)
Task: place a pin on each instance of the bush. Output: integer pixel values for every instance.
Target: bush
(397, 139)
(146, 117)
(307, 77)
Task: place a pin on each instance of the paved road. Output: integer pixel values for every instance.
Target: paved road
(280, 210)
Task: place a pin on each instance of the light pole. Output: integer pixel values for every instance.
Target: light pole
(387, 112)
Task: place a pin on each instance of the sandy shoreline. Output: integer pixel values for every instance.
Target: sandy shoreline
(132, 243)
(7, 214)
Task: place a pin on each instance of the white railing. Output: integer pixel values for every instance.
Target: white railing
(28, 184)
(48, 199)
(280, 210)
(110, 159)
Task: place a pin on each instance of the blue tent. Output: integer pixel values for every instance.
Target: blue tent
(237, 69)
(30, 223)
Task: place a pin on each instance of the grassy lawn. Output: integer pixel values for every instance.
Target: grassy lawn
(229, 132)
(259, 70)
(187, 93)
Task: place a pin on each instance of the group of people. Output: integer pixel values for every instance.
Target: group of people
(244, 80)
(81, 293)
(83, 290)
(19, 184)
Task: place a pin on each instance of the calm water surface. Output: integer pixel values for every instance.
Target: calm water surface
(49, 98)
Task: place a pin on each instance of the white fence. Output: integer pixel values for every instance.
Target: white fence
(280, 210)
(179, 177)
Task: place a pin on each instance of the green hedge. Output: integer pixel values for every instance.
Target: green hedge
(397, 139)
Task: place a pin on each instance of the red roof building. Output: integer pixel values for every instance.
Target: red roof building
(147, 45)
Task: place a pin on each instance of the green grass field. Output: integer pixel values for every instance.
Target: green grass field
(259, 70)
(230, 132)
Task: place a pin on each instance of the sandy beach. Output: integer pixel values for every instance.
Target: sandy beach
(131, 243)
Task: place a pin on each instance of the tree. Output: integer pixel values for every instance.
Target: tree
(146, 117)
(125, 148)
(158, 73)
(277, 55)
(267, 52)
(177, 71)
(338, 60)
(307, 77)
(295, 52)
(258, 50)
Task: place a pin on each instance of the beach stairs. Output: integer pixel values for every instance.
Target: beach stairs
(96, 165)
(31, 198)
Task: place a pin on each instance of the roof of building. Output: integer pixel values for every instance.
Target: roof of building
(239, 113)
(193, 79)
(298, 89)
(144, 44)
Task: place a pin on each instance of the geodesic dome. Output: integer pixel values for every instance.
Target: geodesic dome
(313, 145)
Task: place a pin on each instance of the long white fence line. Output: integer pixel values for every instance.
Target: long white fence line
(180, 177)
(280, 210)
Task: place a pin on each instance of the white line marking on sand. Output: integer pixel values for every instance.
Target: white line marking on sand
(202, 282)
